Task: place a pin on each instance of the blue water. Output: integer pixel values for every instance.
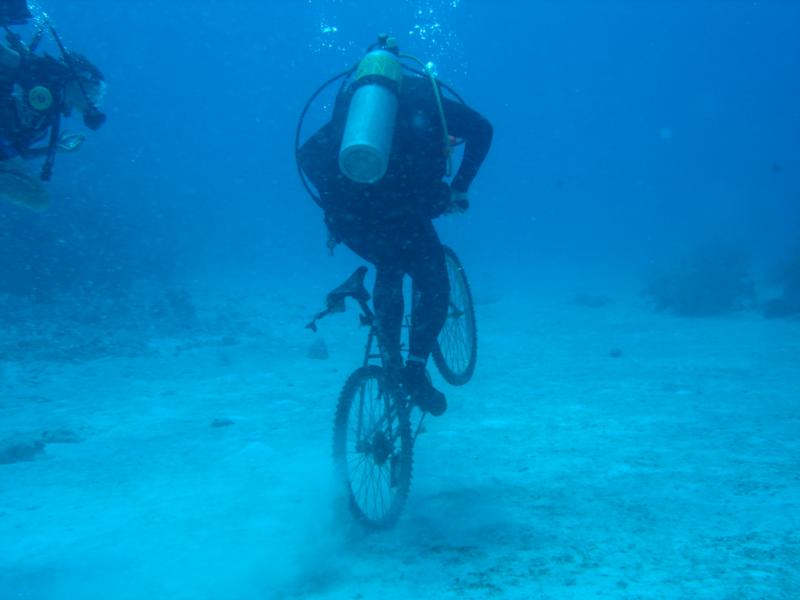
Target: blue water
(627, 135)
(623, 130)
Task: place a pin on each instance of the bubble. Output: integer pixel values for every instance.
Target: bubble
(328, 38)
(433, 35)
(40, 17)
(430, 68)
(430, 34)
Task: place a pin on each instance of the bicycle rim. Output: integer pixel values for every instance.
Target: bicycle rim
(456, 349)
(372, 448)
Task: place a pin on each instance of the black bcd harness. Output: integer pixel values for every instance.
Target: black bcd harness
(43, 80)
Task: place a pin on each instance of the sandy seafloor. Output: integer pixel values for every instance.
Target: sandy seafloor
(193, 461)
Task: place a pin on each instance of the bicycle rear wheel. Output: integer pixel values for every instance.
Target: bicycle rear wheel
(373, 448)
(456, 349)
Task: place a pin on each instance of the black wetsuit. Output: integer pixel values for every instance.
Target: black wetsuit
(14, 12)
(389, 223)
(22, 126)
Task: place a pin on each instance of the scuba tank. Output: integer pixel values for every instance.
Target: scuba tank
(367, 139)
(385, 72)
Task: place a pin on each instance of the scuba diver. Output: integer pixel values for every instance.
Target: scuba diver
(379, 167)
(36, 91)
(14, 12)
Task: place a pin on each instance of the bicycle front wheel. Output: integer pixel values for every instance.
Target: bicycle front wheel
(456, 349)
(372, 448)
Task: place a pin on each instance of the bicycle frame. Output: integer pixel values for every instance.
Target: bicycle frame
(368, 318)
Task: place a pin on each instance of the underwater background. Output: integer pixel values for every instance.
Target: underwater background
(624, 131)
(633, 244)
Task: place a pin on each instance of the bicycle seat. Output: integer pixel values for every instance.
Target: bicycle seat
(353, 287)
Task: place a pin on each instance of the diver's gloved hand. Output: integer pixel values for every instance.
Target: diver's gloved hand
(459, 203)
(70, 142)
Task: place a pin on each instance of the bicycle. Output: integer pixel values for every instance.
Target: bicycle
(373, 443)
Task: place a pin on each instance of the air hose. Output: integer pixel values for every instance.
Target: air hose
(427, 69)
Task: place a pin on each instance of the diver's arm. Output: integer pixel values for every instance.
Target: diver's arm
(67, 143)
(318, 158)
(476, 131)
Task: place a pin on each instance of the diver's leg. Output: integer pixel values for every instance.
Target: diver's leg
(380, 244)
(388, 302)
(21, 186)
(428, 269)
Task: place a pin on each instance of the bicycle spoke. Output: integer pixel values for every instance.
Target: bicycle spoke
(369, 497)
(376, 491)
(376, 496)
(384, 485)
(363, 479)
